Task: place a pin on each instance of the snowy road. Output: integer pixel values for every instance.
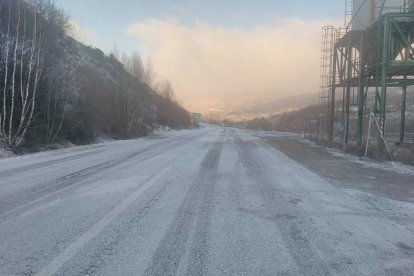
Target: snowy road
(213, 201)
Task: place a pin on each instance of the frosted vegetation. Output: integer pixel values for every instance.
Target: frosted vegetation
(54, 89)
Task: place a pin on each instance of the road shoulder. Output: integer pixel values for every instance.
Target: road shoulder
(386, 180)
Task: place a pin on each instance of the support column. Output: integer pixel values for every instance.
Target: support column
(348, 91)
(361, 97)
(385, 60)
(403, 107)
(332, 102)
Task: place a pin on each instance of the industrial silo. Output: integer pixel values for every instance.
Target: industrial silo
(362, 11)
(366, 12)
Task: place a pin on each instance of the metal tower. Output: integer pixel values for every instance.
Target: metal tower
(371, 61)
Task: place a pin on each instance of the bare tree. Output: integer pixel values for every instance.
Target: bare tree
(149, 73)
(116, 92)
(6, 50)
(135, 67)
(60, 86)
(141, 71)
(10, 135)
(138, 107)
(166, 90)
(26, 81)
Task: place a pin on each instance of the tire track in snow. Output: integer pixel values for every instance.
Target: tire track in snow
(283, 213)
(49, 189)
(195, 206)
(200, 241)
(56, 161)
(53, 267)
(108, 247)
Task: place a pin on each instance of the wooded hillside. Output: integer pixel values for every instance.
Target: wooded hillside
(53, 88)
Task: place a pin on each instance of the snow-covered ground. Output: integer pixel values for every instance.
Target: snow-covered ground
(160, 131)
(393, 166)
(210, 201)
(4, 152)
(390, 166)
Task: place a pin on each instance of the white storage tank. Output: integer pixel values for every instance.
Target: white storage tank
(362, 11)
(366, 12)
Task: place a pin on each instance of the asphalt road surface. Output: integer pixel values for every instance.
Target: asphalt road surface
(212, 201)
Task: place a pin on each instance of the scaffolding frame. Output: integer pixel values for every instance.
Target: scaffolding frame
(349, 7)
(377, 58)
(329, 37)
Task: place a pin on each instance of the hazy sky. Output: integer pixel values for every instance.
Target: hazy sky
(216, 53)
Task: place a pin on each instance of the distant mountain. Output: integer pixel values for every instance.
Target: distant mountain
(249, 111)
(293, 120)
(265, 109)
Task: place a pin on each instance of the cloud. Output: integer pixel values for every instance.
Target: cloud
(216, 67)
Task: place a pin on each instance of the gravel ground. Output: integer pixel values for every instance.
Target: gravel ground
(389, 180)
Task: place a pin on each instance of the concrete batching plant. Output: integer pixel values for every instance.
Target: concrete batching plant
(371, 54)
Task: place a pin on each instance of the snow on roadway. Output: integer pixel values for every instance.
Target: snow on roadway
(212, 201)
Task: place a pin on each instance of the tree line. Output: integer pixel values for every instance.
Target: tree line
(53, 88)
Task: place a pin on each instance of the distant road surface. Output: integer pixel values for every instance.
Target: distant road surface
(212, 201)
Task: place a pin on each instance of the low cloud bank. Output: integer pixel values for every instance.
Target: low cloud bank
(217, 68)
